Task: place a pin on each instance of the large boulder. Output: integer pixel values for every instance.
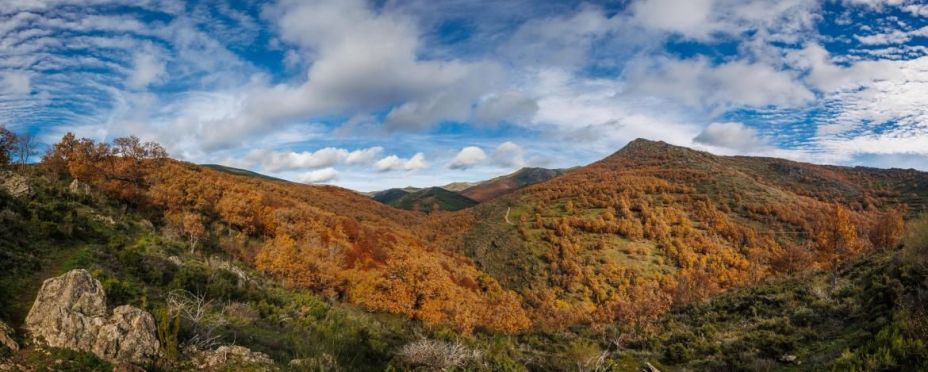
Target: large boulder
(70, 312)
(128, 335)
(6, 337)
(14, 184)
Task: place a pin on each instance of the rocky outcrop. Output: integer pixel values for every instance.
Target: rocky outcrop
(70, 312)
(79, 188)
(14, 184)
(225, 357)
(128, 335)
(6, 337)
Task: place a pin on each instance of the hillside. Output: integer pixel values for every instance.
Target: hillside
(491, 189)
(606, 265)
(432, 199)
(669, 224)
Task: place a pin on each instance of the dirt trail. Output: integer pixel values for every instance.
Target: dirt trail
(507, 216)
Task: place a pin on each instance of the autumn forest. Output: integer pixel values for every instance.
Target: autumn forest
(615, 248)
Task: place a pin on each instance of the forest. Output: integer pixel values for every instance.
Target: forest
(623, 248)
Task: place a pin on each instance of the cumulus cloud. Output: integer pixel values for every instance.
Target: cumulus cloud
(318, 176)
(468, 157)
(509, 155)
(274, 161)
(393, 162)
(735, 136)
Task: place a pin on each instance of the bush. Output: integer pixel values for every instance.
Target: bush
(438, 355)
(916, 241)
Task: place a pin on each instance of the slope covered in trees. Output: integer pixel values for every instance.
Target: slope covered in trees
(331, 240)
(655, 225)
(621, 240)
(432, 199)
(608, 266)
(491, 189)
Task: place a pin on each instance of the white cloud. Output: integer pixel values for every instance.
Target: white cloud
(147, 69)
(15, 83)
(468, 157)
(273, 161)
(393, 162)
(686, 17)
(318, 176)
(735, 136)
(562, 41)
(509, 106)
(785, 20)
(363, 61)
(697, 83)
(509, 155)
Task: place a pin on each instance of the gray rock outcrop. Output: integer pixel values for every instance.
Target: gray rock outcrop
(6, 337)
(70, 312)
(231, 356)
(14, 184)
(79, 188)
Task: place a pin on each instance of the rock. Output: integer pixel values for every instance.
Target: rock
(648, 367)
(6, 337)
(70, 312)
(128, 335)
(788, 358)
(324, 362)
(176, 260)
(147, 225)
(8, 365)
(14, 184)
(231, 356)
(79, 188)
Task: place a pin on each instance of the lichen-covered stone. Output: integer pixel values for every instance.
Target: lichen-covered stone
(70, 312)
(14, 184)
(6, 337)
(225, 357)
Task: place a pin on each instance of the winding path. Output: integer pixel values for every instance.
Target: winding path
(507, 216)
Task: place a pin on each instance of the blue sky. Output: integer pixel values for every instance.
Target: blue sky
(372, 95)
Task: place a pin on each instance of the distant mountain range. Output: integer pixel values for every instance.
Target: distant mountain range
(460, 195)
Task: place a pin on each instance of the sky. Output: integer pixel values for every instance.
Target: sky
(371, 95)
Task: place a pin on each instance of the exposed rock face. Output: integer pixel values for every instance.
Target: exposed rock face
(14, 184)
(79, 188)
(231, 356)
(6, 337)
(128, 335)
(70, 312)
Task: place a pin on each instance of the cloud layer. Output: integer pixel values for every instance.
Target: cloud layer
(370, 94)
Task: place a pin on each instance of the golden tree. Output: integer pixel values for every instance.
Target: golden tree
(888, 230)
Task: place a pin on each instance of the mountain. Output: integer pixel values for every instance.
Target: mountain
(432, 199)
(459, 195)
(390, 196)
(240, 172)
(656, 256)
(490, 189)
(680, 224)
